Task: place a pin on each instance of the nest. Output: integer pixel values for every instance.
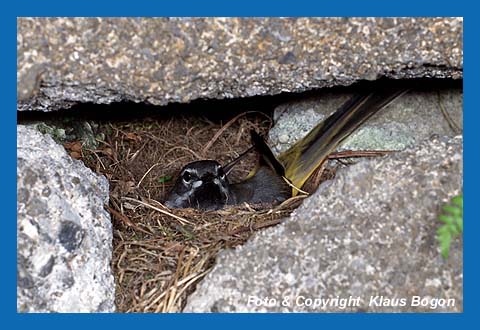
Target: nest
(159, 255)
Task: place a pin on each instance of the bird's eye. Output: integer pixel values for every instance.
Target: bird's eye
(187, 176)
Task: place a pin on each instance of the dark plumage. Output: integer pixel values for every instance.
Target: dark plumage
(204, 184)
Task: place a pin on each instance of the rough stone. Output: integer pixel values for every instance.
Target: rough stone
(63, 61)
(369, 232)
(64, 234)
(411, 119)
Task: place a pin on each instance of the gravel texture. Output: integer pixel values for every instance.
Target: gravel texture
(63, 61)
(64, 234)
(411, 119)
(370, 232)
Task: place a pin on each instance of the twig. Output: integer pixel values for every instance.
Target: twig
(289, 201)
(224, 127)
(182, 220)
(182, 281)
(146, 173)
(294, 187)
(98, 158)
(197, 156)
(126, 220)
(174, 286)
(359, 153)
(447, 117)
(255, 227)
(191, 281)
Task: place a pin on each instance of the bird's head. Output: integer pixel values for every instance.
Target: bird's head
(201, 184)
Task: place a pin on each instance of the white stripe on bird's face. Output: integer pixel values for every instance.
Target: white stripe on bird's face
(197, 184)
(201, 184)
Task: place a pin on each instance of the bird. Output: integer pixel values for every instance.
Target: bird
(204, 184)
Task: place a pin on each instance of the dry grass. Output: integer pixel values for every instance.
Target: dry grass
(160, 255)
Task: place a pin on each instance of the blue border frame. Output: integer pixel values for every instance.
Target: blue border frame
(249, 8)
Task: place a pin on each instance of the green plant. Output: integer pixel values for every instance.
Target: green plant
(452, 218)
(165, 178)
